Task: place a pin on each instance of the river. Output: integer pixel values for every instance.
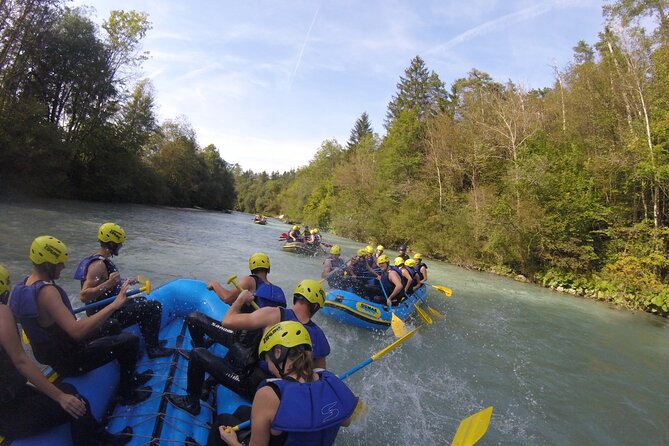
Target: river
(559, 370)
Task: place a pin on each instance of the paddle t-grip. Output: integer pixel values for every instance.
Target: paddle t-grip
(233, 280)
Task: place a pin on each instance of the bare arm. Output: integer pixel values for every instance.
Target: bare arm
(263, 411)
(97, 282)
(52, 310)
(9, 340)
(407, 276)
(229, 296)
(423, 270)
(234, 319)
(395, 279)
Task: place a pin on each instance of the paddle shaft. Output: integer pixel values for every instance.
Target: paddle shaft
(107, 300)
(233, 280)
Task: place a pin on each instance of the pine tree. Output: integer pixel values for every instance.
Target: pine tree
(418, 89)
(362, 129)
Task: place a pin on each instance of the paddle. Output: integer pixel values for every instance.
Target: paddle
(396, 323)
(472, 428)
(442, 289)
(349, 372)
(146, 288)
(233, 280)
(423, 315)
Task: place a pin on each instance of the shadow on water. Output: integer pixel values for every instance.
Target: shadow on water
(558, 369)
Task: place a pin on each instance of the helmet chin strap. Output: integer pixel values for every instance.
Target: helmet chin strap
(280, 362)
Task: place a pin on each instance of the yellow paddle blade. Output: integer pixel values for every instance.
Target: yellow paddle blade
(146, 288)
(394, 344)
(423, 315)
(443, 290)
(398, 326)
(435, 313)
(360, 411)
(472, 428)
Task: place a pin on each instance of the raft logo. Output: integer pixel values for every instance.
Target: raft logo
(330, 412)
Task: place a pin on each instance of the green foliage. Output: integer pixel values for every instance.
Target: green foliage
(68, 128)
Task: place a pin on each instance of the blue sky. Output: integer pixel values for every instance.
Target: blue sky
(268, 81)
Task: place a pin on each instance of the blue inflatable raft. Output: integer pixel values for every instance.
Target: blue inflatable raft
(349, 308)
(155, 421)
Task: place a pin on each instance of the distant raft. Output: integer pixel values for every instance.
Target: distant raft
(349, 308)
(154, 421)
(302, 248)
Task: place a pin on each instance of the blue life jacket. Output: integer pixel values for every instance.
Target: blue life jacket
(82, 270)
(414, 282)
(336, 262)
(268, 294)
(311, 413)
(319, 343)
(387, 285)
(419, 267)
(23, 303)
(359, 267)
(398, 270)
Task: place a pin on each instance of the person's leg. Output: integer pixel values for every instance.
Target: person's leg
(199, 325)
(124, 348)
(33, 413)
(147, 314)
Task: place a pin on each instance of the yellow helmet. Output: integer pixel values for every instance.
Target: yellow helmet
(369, 249)
(259, 260)
(287, 334)
(314, 231)
(47, 249)
(312, 291)
(382, 259)
(418, 256)
(399, 261)
(335, 249)
(4, 279)
(410, 263)
(295, 228)
(111, 232)
(362, 252)
(380, 248)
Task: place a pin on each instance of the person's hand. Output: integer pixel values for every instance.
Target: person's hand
(114, 278)
(245, 297)
(72, 405)
(230, 437)
(212, 284)
(121, 299)
(389, 302)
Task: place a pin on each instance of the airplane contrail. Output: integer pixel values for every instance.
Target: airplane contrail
(304, 45)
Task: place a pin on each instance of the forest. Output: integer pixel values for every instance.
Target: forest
(565, 186)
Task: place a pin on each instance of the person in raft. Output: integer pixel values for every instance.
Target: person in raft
(421, 267)
(391, 281)
(302, 405)
(100, 279)
(29, 410)
(294, 235)
(308, 298)
(238, 370)
(333, 268)
(69, 345)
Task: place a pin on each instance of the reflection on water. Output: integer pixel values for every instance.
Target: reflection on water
(558, 369)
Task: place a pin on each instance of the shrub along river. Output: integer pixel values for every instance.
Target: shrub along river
(558, 369)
